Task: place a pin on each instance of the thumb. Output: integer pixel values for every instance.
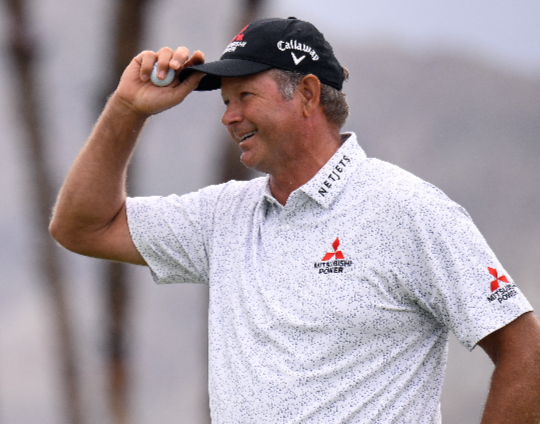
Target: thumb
(185, 88)
(192, 81)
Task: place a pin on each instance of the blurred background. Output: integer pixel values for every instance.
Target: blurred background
(447, 90)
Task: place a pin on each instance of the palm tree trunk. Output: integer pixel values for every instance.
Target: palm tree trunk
(126, 42)
(22, 49)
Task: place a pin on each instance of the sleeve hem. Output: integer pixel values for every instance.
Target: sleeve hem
(488, 331)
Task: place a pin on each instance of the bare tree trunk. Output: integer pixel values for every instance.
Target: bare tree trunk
(231, 167)
(117, 298)
(126, 42)
(23, 54)
(127, 35)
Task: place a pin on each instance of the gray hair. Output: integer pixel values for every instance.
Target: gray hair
(333, 101)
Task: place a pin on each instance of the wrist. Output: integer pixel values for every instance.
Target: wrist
(122, 109)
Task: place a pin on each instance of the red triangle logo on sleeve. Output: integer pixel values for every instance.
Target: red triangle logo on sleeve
(495, 283)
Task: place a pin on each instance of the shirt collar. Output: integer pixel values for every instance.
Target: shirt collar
(326, 185)
(267, 193)
(331, 179)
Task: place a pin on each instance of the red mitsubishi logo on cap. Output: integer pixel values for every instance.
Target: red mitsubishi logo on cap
(240, 36)
(495, 283)
(337, 253)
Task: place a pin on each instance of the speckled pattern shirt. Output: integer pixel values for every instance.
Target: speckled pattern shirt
(336, 307)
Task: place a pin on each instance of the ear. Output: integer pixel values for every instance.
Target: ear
(310, 92)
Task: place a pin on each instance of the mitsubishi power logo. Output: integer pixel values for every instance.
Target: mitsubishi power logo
(500, 292)
(333, 262)
(495, 283)
(337, 253)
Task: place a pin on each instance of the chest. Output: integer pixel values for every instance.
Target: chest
(315, 268)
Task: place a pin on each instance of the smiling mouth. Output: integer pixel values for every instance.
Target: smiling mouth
(246, 136)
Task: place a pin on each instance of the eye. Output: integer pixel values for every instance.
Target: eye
(226, 102)
(245, 94)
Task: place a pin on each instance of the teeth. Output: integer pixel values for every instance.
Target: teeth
(246, 136)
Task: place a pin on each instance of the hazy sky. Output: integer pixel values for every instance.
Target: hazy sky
(505, 30)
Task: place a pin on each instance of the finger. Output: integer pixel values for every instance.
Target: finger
(164, 56)
(146, 60)
(196, 59)
(180, 56)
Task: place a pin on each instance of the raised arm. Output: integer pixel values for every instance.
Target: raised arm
(90, 214)
(514, 394)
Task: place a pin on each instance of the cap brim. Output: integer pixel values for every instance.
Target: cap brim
(222, 68)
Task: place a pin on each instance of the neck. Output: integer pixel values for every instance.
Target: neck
(313, 153)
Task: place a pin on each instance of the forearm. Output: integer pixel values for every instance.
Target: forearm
(514, 394)
(90, 215)
(94, 190)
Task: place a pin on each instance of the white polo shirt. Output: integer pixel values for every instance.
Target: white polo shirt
(336, 307)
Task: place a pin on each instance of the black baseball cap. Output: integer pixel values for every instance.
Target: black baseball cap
(289, 44)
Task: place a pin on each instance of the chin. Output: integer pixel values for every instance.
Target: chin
(247, 160)
(253, 165)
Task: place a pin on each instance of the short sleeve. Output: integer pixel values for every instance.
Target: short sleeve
(171, 234)
(450, 270)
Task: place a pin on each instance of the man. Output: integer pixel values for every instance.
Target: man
(335, 280)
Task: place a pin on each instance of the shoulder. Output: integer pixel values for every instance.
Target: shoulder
(387, 181)
(402, 197)
(233, 194)
(233, 188)
(219, 198)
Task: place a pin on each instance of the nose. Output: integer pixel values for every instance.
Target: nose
(231, 115)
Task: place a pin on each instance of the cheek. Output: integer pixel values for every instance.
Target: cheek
(273, 117)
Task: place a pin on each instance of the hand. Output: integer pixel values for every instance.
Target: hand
(138, 93)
